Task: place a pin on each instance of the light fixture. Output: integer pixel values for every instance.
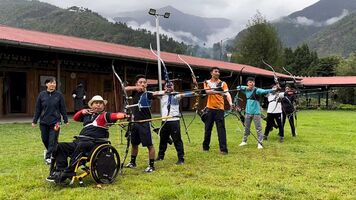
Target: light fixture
(166, 15)
(152, 11)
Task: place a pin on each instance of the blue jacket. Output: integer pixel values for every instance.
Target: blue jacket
(49, 108)
(253, 106)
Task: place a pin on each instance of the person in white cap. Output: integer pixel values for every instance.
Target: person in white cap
(96, 122)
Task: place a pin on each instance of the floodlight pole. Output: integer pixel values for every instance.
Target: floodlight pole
(156, 15)
(159, 54)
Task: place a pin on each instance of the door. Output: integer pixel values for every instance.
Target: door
(16, 92)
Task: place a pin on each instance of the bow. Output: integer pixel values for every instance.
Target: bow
(126, 110)
(197, 98)
(236, 109)
(168, 83)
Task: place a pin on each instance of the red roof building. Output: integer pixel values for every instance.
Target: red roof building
(55, 42)
(334, 81)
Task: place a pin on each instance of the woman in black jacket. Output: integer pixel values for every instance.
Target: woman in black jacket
(289, 109)
(50, 108)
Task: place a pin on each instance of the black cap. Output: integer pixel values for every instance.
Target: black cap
(250, 79)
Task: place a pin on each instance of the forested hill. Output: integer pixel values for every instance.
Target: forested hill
(35, 15)
(338, 38)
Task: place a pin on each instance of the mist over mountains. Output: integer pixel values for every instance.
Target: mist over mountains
(304, 25)
(181, 26)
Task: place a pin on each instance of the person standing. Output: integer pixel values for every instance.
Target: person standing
(274, 112)
(79, 95)
(253, 110)
(289, 109)
(216, 90)
(171, 127)
(50, 108)
(141, 131)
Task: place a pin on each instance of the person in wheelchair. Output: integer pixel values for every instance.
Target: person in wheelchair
(96, 122)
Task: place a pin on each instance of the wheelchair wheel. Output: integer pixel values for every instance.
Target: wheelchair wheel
(104, 164)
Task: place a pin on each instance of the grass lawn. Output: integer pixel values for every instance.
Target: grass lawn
(320, 163)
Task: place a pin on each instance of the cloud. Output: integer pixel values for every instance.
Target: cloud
(301, 20)
(180, 36)
(336, 19)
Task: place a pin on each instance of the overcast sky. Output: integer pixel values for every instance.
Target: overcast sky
(238, 11)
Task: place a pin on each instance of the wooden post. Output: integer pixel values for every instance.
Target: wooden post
(2, 96)
(327, 98)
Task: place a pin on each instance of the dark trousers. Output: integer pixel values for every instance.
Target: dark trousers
(291, 122)
(49, 138)
(271, 119)
(216, 116)
(171, 128)
(74, 150)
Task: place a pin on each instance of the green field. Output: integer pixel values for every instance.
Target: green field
(320, 163)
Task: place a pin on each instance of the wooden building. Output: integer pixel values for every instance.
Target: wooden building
(27, 58)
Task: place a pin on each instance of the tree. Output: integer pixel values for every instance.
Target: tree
(301, 61)
(259, 41)
(325, 67)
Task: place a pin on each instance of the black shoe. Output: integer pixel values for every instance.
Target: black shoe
(159, 158)
(180, 162)
(280, 139)
(131, 165)
(51, 178)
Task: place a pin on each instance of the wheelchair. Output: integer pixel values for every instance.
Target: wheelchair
(102, 163)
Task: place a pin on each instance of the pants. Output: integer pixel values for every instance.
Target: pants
(291, 122)
(216, 116)
(49, 138)
(257, 120)
(171, 128)
(74, 150)
(271, 119)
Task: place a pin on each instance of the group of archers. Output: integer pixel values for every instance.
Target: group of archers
(50, 108)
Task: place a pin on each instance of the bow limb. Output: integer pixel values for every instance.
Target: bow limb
(126, 97)
(194, 78)
(197, 98)
(274, 72)
(167, 82)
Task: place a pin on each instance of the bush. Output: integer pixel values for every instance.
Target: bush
(346, 107)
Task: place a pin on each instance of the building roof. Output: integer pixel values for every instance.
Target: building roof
(55, 42)
(329, 81)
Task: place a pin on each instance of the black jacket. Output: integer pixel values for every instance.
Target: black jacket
(288, 104)
(49, 108)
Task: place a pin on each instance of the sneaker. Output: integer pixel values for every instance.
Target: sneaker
(259, 146)
(48, 161)
(265, 137)
(243, 144)
(223, 152)
(149, 169)
(131, 165)
(159, 158)
(180, 162)
(51, 178)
